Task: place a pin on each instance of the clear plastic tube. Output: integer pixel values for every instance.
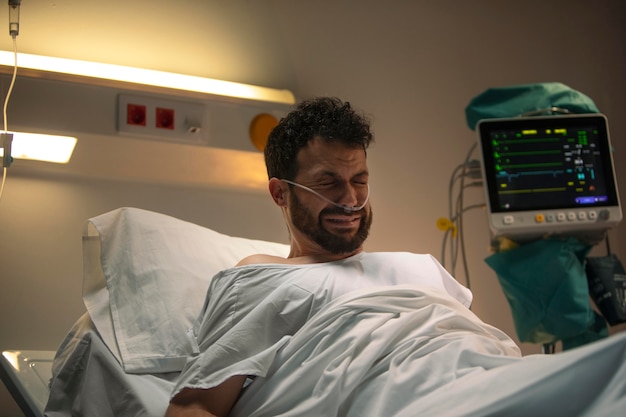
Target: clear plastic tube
(344, 207)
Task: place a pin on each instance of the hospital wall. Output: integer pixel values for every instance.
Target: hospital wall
(413, 66)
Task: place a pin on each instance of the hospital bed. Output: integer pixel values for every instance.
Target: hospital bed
(146, 277)
(26, 375)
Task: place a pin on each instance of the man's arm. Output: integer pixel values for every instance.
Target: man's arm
(216, 401)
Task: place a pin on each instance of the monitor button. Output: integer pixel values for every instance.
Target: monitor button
(604, 215)
(550, 218)
(592, 215)
(571, 216)
(582, 215)
(560, 217)
(539, 218)
(508, 219)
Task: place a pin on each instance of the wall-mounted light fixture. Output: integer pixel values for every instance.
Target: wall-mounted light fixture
(39, 147)
(60, 67)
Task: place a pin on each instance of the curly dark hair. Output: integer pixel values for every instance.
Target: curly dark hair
(326, 117)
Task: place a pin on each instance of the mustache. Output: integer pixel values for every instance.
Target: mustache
(339, 211)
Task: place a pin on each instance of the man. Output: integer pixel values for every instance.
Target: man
(329, 156)
(318, 176)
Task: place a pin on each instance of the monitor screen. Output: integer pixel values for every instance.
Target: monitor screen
(548, 174)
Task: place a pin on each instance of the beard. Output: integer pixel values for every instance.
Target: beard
(306, 223)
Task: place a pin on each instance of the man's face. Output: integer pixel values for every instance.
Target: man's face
(340, 174)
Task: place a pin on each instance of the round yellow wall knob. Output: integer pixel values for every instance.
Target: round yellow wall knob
(260, 128)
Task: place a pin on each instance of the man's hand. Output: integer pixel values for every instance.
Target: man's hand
(212, 402)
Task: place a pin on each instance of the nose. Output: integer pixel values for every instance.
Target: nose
(351, 195)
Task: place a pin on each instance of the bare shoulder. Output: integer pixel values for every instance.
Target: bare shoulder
(261, 258)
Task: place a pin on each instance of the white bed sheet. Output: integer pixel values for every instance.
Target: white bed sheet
(321, 372)
(251, 308)
(406, 352)
(88, 380)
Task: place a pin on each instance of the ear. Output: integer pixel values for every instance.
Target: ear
(278, 191)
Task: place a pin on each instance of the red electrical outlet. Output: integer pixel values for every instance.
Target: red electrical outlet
(164, 118)
(161, 118)
(136, 114)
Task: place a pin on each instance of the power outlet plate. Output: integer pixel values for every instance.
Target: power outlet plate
(156, 118)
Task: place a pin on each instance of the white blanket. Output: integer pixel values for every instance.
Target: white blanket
(372, 335)
(408, 352)
(372, 352)
(88, 380)
(250, 311)
(369, 361)
(339, 345)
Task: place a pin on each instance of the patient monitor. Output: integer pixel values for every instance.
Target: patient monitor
(549, 175)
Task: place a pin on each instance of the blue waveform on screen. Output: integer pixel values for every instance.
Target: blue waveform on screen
(553, 173)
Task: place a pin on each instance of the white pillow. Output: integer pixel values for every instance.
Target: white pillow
(145, 280)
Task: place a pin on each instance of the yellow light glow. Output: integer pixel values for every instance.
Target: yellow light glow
(49, 148)
(147, 77)
(12, 358)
